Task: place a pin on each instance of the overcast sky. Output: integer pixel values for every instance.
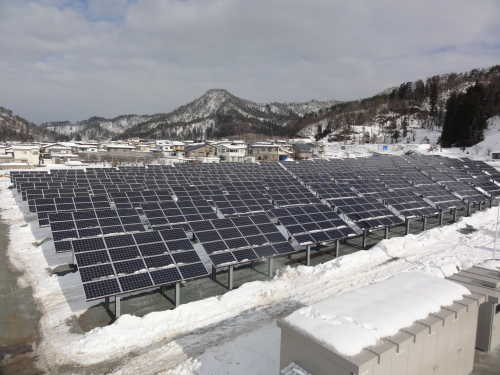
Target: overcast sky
(71, 59)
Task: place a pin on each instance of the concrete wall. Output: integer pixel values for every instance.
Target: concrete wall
(441, 344)
(486, 282)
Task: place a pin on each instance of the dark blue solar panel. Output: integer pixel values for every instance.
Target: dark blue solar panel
(135, 281)
(99, 289)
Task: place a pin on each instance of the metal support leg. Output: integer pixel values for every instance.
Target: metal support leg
(407, 226)
(491, 203)
(424, 222)
(386, 233)
(230, 277)
(337, 248)
(118, 307)
(270, 271)
(441, 217)
(177, 294)
(365, 234)
(308, 255)
(454, 215)
(468, 208)
(214, 274)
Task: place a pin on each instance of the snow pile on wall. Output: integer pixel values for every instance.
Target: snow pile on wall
(358, 319)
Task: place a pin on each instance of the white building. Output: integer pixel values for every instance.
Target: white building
(27, 154)
(232, 152)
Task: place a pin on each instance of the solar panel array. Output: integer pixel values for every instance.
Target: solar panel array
(240, 239)
(89, 223)
(366, 213)
(313, 224)
(135, 228)
(131, 262)
(168, 214)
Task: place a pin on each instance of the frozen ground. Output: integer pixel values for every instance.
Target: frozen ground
(230, 334)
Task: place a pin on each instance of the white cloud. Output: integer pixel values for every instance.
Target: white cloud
(62, 60)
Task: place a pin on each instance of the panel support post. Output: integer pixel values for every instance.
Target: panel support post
(308, 255)
(177, 294)
(230, 272)
(468, 208)
(337, 248)
(118, 307)
(424, 222)
(491, 202)
(407, 226)
(454, 214)
(386, 233)
(214, 274)
(365, 234)
(441, 217)
(270, 271)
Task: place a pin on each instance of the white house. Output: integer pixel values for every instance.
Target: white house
(232, 152)
(57, 153)
(27, 154)
(118, 147)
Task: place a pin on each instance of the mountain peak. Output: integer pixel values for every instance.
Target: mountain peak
(217, 93)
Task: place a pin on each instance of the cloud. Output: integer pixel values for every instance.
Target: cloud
(64, 59)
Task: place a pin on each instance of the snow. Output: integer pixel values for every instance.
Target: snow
(355, 320)
(200, 336)
(294, 369)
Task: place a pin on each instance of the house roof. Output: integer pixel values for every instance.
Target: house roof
(234, 147)
(303, 147)
(119, 146)
(19, 147)
(196, 146)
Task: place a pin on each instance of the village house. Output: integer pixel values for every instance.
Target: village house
(269, 152)
(232, 152)
(303, 151)
(57, 153)
(200, 151)
(118, 147)
(26, 154)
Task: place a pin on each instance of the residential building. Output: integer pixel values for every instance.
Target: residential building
(303, 151)
(270, 152)
(232, 152)
(57, 153)
(200, 151)
(118, 147)
(26, 154)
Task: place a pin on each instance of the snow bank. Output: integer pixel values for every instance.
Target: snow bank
(358, 319)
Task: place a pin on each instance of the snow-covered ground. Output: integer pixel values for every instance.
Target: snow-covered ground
(425, 143)
(230, 334)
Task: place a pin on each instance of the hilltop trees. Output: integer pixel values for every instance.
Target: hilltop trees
(467, 114)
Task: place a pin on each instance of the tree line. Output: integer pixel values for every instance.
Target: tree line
(467, 114)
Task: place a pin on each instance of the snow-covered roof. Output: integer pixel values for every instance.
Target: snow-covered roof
(57, 145)
(24, 147)
(57, 155)
(234, 146)
(265, 145)
(119, 146)
(355, 320)
(76, 145)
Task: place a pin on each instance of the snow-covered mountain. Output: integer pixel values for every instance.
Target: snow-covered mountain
(95, 127)
(220, 113)
(217, 112)
(395, 114)
(16, 128)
